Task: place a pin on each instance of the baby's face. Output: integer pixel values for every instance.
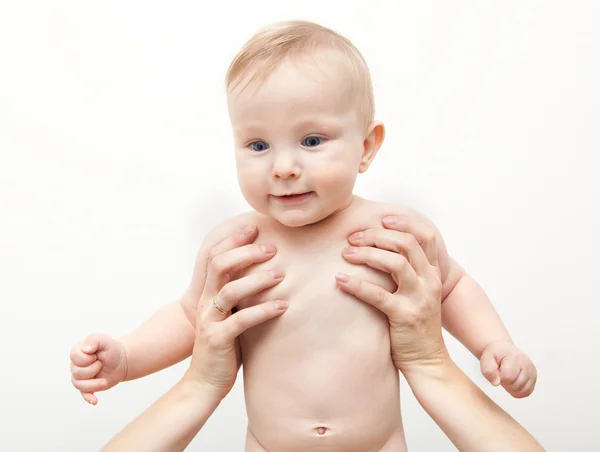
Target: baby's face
(299, 143)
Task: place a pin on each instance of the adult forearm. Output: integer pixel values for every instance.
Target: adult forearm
(171, 423)
(163, 340)
(470, 419)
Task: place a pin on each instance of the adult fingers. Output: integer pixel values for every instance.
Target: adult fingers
(243, 236)
(425, 234)
(395, 241)
(234, 291)
(370, 293)
(393, 263)
(252, 316)
(222, 266)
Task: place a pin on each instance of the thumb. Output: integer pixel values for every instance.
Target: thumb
(490, 367)
(93, 343)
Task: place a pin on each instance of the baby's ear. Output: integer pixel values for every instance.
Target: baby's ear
(372, 143)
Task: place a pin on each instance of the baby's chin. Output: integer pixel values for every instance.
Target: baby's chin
(298, 219)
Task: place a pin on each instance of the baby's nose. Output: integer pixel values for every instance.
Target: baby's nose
(285, 166)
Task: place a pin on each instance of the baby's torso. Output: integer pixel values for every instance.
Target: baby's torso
(320, 377)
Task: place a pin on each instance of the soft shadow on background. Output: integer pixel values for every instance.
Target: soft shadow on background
(116, 158)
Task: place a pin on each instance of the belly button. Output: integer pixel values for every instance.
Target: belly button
(321, 430)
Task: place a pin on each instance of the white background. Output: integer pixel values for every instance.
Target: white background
(116, 159)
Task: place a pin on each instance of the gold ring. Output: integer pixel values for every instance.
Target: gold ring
(219, 308)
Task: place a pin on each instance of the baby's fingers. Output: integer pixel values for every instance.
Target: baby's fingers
(89, 398)
(509, 370)
(98, 384)
(81, 359)
(86, 373)
(516, 388)
(527, 388)
(489, 367)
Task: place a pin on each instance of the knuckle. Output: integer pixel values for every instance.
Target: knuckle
(211, 256)
(217, 264)
(228, 293)
(240, 323)
(410, 241)
(382, 296)
(429, 236)
(401, 262)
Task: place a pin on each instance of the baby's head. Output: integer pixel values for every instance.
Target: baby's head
(301, 107)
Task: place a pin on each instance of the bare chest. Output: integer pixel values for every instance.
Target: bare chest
(318, 308)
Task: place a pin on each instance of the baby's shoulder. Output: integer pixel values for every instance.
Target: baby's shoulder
(227, 227)
(375, 211)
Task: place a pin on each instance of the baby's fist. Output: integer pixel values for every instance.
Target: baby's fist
(503, 363)
(97, 363)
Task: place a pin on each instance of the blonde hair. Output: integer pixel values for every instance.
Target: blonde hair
(273, 44)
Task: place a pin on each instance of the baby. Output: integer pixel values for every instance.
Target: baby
(320, 377)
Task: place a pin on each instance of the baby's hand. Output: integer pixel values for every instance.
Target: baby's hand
(98, 363)
(503, 363)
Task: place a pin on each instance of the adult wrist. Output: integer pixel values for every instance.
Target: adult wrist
(440, 368)
(201, 389)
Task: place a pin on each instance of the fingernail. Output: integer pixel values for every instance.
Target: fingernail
(281, 304)
(496, 381)
(350, 250)
(343, 277)
(87, 348)
(269, 249)
(356, 236)
(276, 273)
(390, 220)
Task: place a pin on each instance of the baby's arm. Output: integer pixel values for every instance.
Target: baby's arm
(468, 313)
(164, 339)
(100, 362)
(167, 337)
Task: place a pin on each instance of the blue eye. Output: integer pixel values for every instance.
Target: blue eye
(311, 142)
(259, 146)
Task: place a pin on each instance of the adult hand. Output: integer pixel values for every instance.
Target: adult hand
(215, 357)
(407, 250)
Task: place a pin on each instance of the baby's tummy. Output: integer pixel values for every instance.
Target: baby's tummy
(321, 378)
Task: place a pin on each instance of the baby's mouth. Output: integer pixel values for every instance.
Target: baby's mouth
(293, 197)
